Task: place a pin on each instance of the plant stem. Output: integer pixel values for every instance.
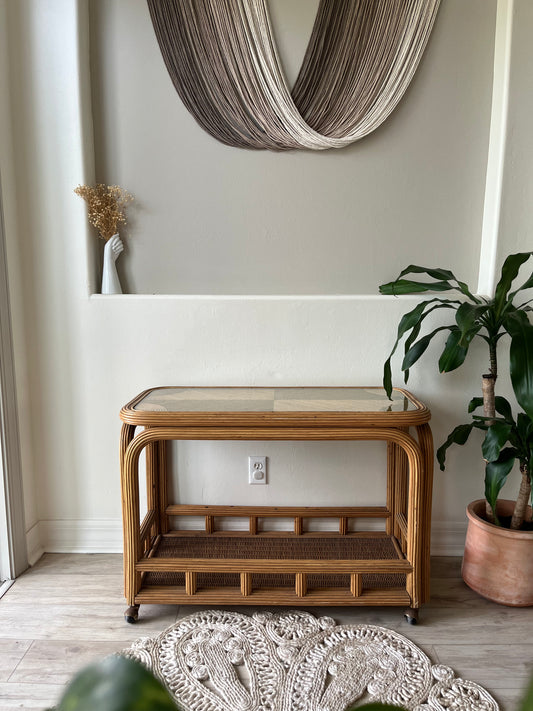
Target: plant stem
(489, 403)
(493, 368)
(489, 409)
(522, 499)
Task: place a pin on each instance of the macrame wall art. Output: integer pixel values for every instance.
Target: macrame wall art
(223, 61)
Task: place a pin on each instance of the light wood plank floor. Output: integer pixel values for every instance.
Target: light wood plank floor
(68, 610)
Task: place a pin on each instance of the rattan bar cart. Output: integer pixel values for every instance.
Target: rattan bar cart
(264, 567)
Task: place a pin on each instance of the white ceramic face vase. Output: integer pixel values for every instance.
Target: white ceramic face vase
(110, 282)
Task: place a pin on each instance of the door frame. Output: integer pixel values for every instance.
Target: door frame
(13, 549)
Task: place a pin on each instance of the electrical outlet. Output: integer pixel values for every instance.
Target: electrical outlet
(257, 470)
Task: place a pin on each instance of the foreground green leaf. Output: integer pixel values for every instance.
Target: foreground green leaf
(527, 703)
(116, 684)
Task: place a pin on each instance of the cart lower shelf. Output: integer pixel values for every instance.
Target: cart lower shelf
(198, 568)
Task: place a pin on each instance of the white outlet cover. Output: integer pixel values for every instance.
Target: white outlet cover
(257, 470)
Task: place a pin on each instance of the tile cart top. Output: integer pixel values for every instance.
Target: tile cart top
(261, 406)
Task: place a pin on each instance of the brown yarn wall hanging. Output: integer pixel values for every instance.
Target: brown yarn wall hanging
(223, 61)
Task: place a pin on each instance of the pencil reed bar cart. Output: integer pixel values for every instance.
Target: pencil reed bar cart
(263, 567)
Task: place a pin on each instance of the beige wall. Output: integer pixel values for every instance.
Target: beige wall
(221, 221)
(218, 220)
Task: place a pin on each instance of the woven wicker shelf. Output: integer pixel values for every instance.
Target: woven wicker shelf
(297, 567)
(354, 569)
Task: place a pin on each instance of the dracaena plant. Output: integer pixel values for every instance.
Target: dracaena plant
(475, 317)
(506, 441)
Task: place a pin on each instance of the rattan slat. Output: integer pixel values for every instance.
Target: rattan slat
(273, 596)
(279, 511)
(240, 565)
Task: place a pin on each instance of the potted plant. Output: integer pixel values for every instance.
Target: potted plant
(498, 558)
(488, 318)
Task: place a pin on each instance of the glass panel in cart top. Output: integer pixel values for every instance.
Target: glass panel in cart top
(274, 400)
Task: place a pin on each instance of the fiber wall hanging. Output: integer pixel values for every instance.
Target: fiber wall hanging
(223, 61)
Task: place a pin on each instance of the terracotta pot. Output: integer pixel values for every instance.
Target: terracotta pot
(498, 562)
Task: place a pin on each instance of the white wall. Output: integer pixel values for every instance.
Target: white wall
(517, 194)
(88, 355)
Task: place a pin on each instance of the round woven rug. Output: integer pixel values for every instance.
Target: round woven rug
(214, 660)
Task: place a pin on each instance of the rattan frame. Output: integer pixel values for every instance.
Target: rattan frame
(407, 512)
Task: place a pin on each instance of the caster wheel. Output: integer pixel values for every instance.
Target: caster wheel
(411, 616)
(132, 614)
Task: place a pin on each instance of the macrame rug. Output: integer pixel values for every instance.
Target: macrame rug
(292, 661)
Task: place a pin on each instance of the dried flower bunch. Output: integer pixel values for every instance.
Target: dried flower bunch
(105, 205)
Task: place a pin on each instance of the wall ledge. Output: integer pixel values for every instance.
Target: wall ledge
(97, 298)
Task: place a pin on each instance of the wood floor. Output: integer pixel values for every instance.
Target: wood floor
(68, 610)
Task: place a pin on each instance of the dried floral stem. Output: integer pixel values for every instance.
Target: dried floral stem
(105, 206)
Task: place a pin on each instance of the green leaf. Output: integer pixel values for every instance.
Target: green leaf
(459, 435)
(441, 304)
(521, 359)
(528, 284)
(502, 407)
(410, 320)
(530, 469)
(496, 474)
(405, 286)
(436, 273)
(527, 703)
(419, 348)
(441, 274)
(510, 270)
(387, 377)
(468, 316)
(523, 439)
(474, 403)
(497, 435)
(116, 684)
(415, 332)
(454, 353)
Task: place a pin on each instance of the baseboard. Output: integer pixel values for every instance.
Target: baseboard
(448, 538)
(81, 536)
(105, 536)
(34, 546)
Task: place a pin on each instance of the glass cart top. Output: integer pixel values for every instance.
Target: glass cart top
(274, 400)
